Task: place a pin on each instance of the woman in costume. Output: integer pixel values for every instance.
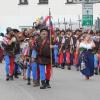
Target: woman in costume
(86, 57)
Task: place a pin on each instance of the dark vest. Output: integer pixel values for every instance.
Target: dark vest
(67, 42)
(16, 47)
(60, 41)
(43, 50)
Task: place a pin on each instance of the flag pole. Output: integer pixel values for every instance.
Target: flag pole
(50, 37)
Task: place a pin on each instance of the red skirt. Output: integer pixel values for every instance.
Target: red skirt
(68, 57)
(75, 58)
(1, 54)
(60, 58)
(99, 60)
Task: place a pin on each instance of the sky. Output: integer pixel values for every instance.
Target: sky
(12, 14)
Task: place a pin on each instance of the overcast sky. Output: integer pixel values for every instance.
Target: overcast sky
(12, 14)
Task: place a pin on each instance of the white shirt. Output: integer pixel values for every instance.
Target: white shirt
(85, 45)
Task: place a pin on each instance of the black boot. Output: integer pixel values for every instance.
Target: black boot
(16, 75)
(36, 83)
(28, 83)
(7, 78)
(53, 65)
(11, 77)
(57, 65)
(77, 68)
(96, 71)
(48, 84)
(60, 66)
(63, 65)
(69, 67)
(99, 71)
(43, 84)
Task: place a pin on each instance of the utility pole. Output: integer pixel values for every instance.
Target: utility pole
(70, 24)
(79, 20)
(58, 23)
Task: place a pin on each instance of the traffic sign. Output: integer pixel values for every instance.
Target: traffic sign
(82, 1)
(87, 20)
(87, 9)
(94, 1)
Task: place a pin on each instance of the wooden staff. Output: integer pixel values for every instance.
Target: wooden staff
(50, 36)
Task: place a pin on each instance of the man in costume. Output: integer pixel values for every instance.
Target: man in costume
(8, 46)
(61, 42)
(43, 58)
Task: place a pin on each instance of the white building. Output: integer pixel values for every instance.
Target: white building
(15, 14)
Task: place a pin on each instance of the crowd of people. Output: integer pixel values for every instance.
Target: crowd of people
(80, 49)
(34, 52)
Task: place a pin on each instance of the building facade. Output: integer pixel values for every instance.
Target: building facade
(17, 13)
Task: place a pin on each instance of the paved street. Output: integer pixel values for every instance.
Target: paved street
(66, 85)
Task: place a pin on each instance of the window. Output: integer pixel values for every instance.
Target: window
(87, 1)
(43, 2)
(69, 1)
(73, 1)
(23, 2)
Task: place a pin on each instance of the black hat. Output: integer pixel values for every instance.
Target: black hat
(15, 30)
(68, 30)
(62, 31)
(1, 34)
(9, 29)
(44, 28)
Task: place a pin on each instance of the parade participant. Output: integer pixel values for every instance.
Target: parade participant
(76, 40)
(43, 58)
(96, 63)
(16, 53)
(61, 57)
(68, 48)
(99, 51)
(34, 64)
(28, 60)
(12, 56)
(56, 48)
(86, 58)
(7, 44)
(99, 61)
(1, 54)
(96, 39)
(28, 64)
(55, 51)
(25, 54)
